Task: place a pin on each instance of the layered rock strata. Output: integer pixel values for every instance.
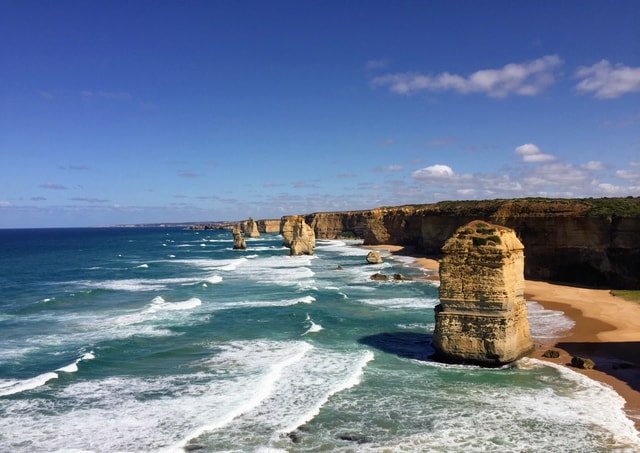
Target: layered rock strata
(250, 229)
(482, 315)
(269, 226)
(592, 242)
(297, 235)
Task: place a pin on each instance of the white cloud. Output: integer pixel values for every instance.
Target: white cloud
(388, 168)
(606, 81)
(433, 172)
(53, 186)
(5, 204)
(628, 174)
(594, 165)
(531, 153)
(525, 79)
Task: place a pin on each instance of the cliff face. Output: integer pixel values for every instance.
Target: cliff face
(567, 240)
(268, 226)
(482, 316)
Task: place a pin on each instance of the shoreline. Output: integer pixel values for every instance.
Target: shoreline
(606, 330)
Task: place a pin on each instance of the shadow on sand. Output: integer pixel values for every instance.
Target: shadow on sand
(409, 345)
(618, 359)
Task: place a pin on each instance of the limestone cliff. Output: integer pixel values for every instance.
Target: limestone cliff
(268, 226)
(297, 235)
(592, 242)
(482, 316)
(250, 229)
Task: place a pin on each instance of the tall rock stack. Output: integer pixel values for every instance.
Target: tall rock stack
(238, 241)
(482, 315)
(297, 235)
(250, 228)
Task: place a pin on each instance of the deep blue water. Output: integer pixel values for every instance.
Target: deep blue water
(159, 339)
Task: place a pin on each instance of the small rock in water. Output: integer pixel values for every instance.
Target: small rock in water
(583, 363)
(380, 277)
(551, 354)
(360, 439)
(374, 257)
(400, 277)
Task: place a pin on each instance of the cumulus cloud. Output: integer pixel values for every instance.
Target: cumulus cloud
(524, 79)
(436, 172)
(605, 81)
(531, 153)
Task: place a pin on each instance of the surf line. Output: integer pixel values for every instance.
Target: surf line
(42, 379)
(267, 386)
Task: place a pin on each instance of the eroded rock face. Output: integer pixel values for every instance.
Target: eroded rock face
(251, 229)
(297, 235)
(268, 225)
(373, 257)
(238, 241)
(482, 315)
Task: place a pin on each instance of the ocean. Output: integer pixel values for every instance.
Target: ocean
(164, 339)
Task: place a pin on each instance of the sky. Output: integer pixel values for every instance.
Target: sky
(119, 112)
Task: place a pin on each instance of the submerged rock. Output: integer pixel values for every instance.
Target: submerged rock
(482, 315)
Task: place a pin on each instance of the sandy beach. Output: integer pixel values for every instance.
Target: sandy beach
(607, 330)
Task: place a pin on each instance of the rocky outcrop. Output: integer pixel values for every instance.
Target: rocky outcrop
(297, 235)
(482, 315)
(250, 229)
(269, 226)
(238, 241)
(592, 242)
(373, 257)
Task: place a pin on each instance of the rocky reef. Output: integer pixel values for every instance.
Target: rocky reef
(297, 235)
(482, 315)
(591, 242)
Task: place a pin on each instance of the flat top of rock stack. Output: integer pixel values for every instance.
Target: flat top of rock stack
(482, 238)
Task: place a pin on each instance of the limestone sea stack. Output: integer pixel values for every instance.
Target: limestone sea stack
(251, 229)
(482, 315)
(238, 241)
(297, 235)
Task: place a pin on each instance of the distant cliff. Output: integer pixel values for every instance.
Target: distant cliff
(592, 242)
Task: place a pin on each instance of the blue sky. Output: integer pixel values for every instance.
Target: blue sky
(164, 111)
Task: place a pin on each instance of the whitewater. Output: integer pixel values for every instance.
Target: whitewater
(166, 339)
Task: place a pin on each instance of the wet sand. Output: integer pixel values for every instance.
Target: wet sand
(607, 330)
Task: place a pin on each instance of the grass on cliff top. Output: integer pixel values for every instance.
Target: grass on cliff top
(591, 207)
(632, 295)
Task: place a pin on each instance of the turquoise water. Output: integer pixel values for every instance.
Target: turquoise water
(169, 340)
